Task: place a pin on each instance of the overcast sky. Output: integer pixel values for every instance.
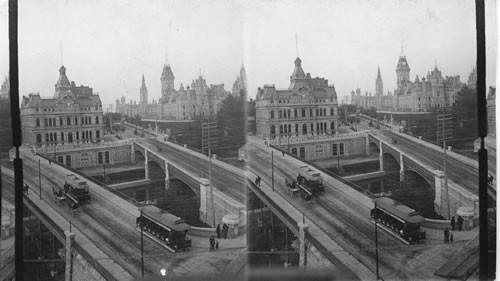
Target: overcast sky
(108, 45)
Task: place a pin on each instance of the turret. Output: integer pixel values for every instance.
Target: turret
(379, 84)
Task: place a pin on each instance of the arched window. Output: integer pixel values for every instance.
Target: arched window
(304, 129)
(272, 114)
(273, 130)
(70, 137)
(332, 126)
(38, 138)
(38, 122)
(97, 134)
(303, 113)
(68, 121)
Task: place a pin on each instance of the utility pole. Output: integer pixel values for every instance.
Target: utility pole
(376, 243)
(445, 171)
(211, 186)
(104, 171)
(272, 170)
(142, 247)
(39, 179)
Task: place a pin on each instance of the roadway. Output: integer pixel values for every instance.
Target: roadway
(344, 215)
(229, 181)
(112, 227)
(459, 172)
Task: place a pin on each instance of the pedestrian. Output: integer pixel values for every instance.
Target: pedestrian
(216, 244)
(460, 222)
(451, 237)
(283, 153)
(446, 233)
(217, 229)
(50, 162)
(27, 188)
(212, 243)
(453, 223)
(258, 179)
(224, 231)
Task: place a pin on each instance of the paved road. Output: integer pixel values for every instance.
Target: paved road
(116, 234)
(458, 171)
(231, 182)
(344, 216)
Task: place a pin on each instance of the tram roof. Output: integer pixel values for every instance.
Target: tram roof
(76, 181)
(165, 218)
(309, 173)
(399, 210)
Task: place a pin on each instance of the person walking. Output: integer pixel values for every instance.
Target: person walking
(453, 223)
(283, 153)
(451, 237)
(212, 243)
(460, 222)
(216, 244)
(217, 229)
(446, 233)
(224, 231)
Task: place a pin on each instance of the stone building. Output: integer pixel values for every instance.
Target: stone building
(378, 101)
(143, 109)
(423, 95)
(472, 80)
(72, 116)
(195, 102)
(307, 108)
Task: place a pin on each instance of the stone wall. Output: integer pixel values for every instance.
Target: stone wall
(316, 260)
(83, 270)
(323, 149)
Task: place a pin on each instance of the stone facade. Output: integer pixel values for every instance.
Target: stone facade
(73, 116)
(308, 107)
(378, 101)
(195, 102)
(241, 83)
(89, 155)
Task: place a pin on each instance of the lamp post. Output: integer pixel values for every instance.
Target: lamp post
(142, 248)
(104, 171)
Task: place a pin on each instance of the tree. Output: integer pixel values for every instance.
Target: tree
(464, 111)
(231, 120)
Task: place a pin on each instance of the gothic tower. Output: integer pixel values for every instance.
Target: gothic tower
(402, 71)
(144, 92)
(243, 77)
(379, 85)
(167, 81)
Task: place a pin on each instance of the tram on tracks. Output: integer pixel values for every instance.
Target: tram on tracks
(75, 191)
(310, 181)
(397, 219)
(163, 227)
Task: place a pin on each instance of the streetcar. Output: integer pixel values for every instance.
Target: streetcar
(399, 220)
(163, 227)
(310, 181)
(75, 191)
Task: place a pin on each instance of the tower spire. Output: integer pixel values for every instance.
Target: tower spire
(402, 49)
(60, 52)
(296, 45)
(166, 56)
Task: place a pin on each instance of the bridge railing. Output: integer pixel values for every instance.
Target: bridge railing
(62, 237)
(330, 173)
(91, 179)
(284, 140)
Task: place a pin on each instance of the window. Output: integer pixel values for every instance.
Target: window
(281, 129)
(341, 146)
(70, 137)
(62, 136)
(312, 127)
(281, 113)
(45, 122)
(303, 113)
(60, 121)
(106, 156)
(38, 138)
(77, 136)
(331, 111)
(68, 160)
(97, 119)
(68, 121)
(289, 115)
(311, 112)
(76, 120)
(294, 151)
(304, 129)
(99, 157)
(38, 122)
(90, 133)
(46, 137)
(296, 128)
(50, 122)
(334, 149)
(273, 130)
(83, 121)
(60, 159)
(302, 152)
(97, 134)
(96, 108)
(332, 126)
(51, 137)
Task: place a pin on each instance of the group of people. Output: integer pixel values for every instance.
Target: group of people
(490, 179)
(25, 189)
(224, 231)
(257, 180)
(459, 223)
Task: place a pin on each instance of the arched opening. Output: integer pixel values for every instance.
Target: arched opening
(181, 201)
(373, 148)
(273, 131)
(390, 163)
(38, 139)
(139, 155)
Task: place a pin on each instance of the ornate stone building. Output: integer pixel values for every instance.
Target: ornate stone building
(143, 109)
(379, 101)
(72, 116)
(307, 108)
(194, 102)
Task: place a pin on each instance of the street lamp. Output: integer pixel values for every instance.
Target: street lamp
(376, 242)
(272, 169)
(142, 246)
(39, 179)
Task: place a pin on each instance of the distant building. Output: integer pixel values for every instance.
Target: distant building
(491, 105)
(308, 107)
(72, 116)
(143, 109)
(241, 83)
(5, 89)
(472, 80)
(194, 102)
(378, 101)
(423, 95)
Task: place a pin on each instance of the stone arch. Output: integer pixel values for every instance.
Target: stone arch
(139, 155)
(373, 148)
(391, 163)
